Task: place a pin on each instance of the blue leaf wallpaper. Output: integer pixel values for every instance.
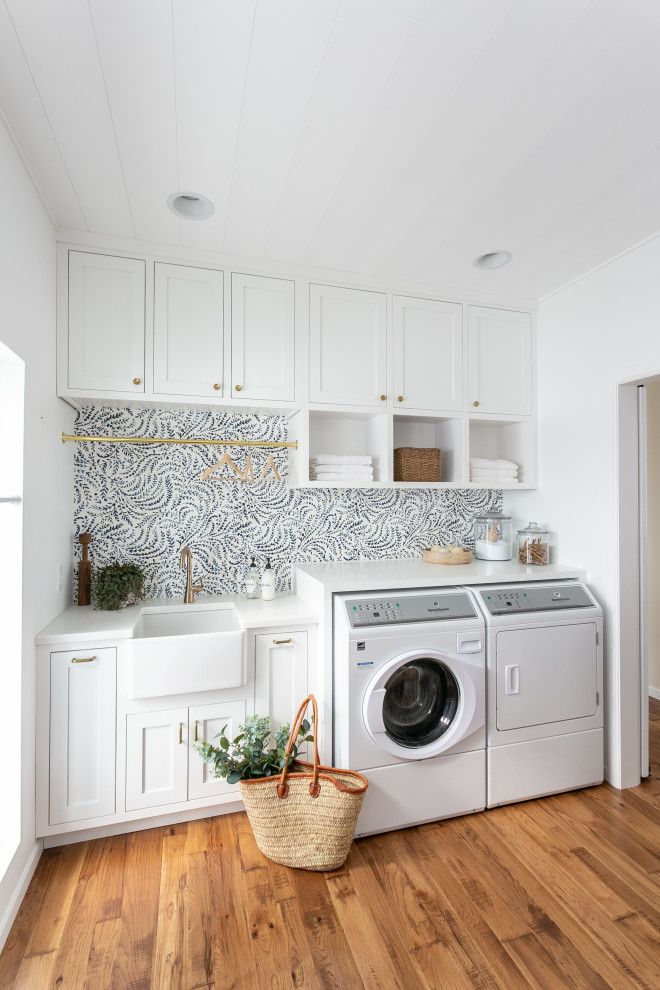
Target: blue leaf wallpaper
(143, 503)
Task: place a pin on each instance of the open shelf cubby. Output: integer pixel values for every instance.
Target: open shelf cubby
(342, 433)
(445, 433)
(511, 440)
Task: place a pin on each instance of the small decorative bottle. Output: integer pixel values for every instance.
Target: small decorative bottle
(268, 582)
(252, 581)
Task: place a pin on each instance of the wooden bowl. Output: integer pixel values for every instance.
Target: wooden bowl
(447, 555)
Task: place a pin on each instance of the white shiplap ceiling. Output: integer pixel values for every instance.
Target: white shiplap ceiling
(396, 138)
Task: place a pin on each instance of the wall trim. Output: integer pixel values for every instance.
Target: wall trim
(19, 893)
(654, 693)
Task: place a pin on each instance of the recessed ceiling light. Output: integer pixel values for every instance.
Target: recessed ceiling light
(493, 259)
(190, 206)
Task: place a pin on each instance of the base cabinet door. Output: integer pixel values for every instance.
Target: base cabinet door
(82, 734)
(205, 723)
(281, 675)
(156, 758)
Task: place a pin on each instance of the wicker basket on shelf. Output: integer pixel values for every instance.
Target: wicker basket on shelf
(417, 464)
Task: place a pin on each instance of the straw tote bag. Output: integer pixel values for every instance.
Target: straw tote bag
(306, 817)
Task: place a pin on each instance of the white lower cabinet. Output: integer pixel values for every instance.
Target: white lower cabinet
(162, 765)
(280, 674)
(82, 734)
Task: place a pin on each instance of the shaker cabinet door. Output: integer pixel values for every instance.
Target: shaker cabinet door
(188, 331)
(427, 354)
(280, 675)
(156, 758)
(347, 341)
(262, 338)
(106, 323)
(82, 734)
(206, 722)
(500, 362)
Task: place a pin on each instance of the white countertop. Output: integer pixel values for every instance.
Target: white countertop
(392, 575)
(85, 624)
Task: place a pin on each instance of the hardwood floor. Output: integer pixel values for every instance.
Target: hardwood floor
(562, 892)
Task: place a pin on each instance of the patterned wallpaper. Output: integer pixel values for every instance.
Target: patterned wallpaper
(143, 503)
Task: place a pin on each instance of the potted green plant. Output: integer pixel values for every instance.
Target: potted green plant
(117, 585)
(251, 754)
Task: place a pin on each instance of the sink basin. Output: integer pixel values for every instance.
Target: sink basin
(185, 650)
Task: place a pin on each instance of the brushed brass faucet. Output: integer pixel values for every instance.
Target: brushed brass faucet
(191, 589)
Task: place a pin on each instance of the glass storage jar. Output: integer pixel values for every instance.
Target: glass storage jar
(533, 545)
(493, 536)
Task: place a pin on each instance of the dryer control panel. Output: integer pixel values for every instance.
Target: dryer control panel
(401, 608)
(550, 598)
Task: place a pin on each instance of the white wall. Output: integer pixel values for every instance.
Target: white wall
(653, 476)
(603, 330)
(27, 326)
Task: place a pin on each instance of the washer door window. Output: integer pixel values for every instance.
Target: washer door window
(419, 705)
(420, 702)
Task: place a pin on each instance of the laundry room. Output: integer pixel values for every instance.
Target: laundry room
(329, 375)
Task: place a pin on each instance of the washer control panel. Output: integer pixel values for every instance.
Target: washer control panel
(550, 598)
(391, 609)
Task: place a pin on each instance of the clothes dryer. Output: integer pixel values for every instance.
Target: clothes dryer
(409, 704)
(544, 657)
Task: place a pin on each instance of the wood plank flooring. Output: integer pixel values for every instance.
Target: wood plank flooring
(562, 892)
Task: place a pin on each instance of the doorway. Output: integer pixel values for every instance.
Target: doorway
(12, 403)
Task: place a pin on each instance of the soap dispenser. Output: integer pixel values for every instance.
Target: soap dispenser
(268, 582)
(252, 581)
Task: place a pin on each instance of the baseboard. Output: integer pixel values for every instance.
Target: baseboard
(19, 893)
(654, 693)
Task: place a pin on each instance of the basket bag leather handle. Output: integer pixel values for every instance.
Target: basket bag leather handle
(314, 787)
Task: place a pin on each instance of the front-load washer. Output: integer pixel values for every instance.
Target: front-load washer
(544, 657)
(410, 704)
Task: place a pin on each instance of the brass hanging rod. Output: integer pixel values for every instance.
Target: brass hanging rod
(198, 443)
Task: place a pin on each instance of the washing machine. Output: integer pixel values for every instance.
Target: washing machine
(544, 659)
(410, 704)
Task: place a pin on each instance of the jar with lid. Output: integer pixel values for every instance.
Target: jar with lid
(493, 536)
(533, 545)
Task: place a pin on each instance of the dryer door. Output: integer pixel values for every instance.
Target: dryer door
(419, 705)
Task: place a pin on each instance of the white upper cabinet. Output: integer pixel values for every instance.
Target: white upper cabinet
(106, 323)
(262, 338)
(347, 346)
(188, 331)
(500, 362)
(427, 354)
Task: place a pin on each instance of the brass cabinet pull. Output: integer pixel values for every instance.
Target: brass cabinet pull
(180, 733)
(83, 659)
(239, 388)
(400, 398)
(278, 642)
(216, 387)
(383, 397)
(136, 381)
(475, 403)
(195, 730)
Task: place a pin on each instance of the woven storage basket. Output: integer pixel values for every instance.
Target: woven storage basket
(306, 818)
(417, 464)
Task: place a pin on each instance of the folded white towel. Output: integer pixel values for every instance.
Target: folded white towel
(341, 468)
(348, 479)
(485, 462)
(494, 482)
(341, 459)
(494, 473)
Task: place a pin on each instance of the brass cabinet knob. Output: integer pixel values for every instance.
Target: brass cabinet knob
(383, 397)
(238, 388)
(216, 387)
(475, 403)
(400, 398)
(136, 381)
